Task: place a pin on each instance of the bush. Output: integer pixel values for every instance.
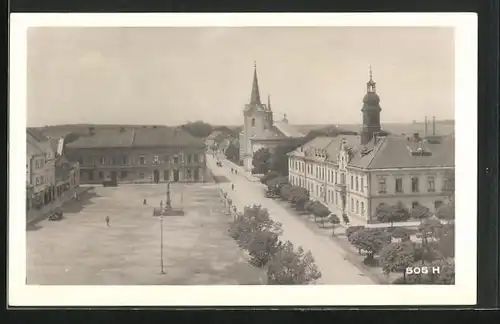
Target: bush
(396, 257)
(285, 191)
(268, 176)
(290, 267)
(420, 212)
(298, 197)
(321, 211)
(352, 229)
(371, 241)
(389, 214)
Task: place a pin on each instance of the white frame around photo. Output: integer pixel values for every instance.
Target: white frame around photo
(462, 293)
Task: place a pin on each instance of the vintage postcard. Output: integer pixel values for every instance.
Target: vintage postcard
(242, 159)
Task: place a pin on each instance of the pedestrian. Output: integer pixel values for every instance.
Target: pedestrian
(144, 202)
(232, 186)
(235, 171)
(107, 221)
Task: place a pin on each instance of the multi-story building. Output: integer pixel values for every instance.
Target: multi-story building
(259, 128)
(353, 175)
(40, 170)
(149, 154)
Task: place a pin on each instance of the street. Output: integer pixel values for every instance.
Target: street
(329, 257)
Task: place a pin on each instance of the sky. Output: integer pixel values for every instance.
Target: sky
(172, 75)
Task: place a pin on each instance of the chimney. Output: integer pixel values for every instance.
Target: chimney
(425, 127)
(434, 126)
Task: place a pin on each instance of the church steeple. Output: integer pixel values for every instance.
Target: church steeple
(255, 96)
(371, 112)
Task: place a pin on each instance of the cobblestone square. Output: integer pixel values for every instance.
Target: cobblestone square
(82, 250)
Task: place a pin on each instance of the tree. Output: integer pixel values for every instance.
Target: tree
(389, 214)
(257, 233)
(334, 220)
(269, 176)
(298, 197)
(396, 257)
(420, 212)
(233, 152)
(261, 161)
(351, 230)
(446, 211)
(370, 240)
(429, 229)
(290, 267)
(321, 211)
(198, 128)
(274, 185)
(279, 157)
(308, 206)
(285, 191)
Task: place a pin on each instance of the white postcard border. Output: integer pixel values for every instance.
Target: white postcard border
(463, 292)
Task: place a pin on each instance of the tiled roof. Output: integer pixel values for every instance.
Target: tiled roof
(388, 152)
(137, 137)
(268, 134)
(287, 129)
(33, 149)
(396, 152)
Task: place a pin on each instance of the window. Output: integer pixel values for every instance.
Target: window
(189, 174)
(253, 122)
(114, 160)
(195, 158)
(357, 183)
(166, 175)
(37, 180)
(91, 175)
(357, 207)
(141, 160)
(352, 182)
(141, 175)
(382, 185)
(188, 158)
(102, 160)
(430, 184)
(124, 159)
(399, 184)
(156, 160)
(335, 177)
(101, 175)
(414, 204)
(362, 184)
(352, 204)
(414, 184)
(362, 208)
(123, 174)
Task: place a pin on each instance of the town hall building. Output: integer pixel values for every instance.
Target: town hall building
(353, 175)
(259, 128)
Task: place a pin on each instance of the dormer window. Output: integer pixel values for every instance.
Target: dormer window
(253, 122)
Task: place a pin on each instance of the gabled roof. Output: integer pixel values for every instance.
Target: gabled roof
(36, 134)
(287, 129)
(137, 137)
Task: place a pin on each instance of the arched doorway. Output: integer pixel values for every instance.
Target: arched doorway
(156, 176)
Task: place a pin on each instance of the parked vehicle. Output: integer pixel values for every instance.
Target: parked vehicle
(56, 215)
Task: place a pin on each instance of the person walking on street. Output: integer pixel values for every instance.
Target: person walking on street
(232, 186)
(107, 221)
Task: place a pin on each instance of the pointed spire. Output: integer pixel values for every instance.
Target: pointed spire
(370, 85)
(255, 96)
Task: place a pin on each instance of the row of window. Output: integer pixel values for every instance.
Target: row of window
(398, 183)
(124, 159)
(124, 174)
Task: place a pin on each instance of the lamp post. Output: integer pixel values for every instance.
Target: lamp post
(161, 246)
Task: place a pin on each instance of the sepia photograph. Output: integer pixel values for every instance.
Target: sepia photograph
(184, 155)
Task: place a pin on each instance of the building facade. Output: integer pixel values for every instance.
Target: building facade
(353, 175)
(259, 128)
(40, 170)
(139, 155)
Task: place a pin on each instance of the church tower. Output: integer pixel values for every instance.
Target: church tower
(257, 118)
(371, 112)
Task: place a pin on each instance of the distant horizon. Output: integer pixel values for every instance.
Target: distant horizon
(172, 75)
